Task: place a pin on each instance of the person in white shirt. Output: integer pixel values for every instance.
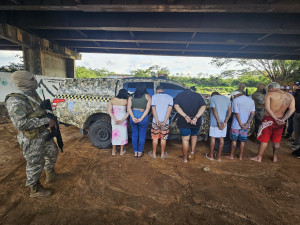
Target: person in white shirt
(162, 105)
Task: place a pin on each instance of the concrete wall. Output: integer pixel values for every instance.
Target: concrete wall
(45, 63)
(54, 65)
(49, 85)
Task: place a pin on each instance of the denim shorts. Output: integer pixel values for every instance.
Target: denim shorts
(189, 131)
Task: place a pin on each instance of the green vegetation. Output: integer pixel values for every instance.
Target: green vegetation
(281, 71)
(254, 72)
(219, 84)
(12, 67)
(147, 72)
(82, 72)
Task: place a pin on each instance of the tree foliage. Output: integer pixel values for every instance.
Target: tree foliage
(282, 71)
(82, 72)
(152, 69)
(225, 82)
(12, 67)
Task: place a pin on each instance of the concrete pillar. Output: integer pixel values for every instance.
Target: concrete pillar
(70, 68)
(45, 63)
(32, 60)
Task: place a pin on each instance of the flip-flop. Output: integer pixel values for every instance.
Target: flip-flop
(151, 154)
(124, 151)
(206, 155)
(164, 156)
(113, 154)
(141, 155)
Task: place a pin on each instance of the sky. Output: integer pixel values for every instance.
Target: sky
(123, 64)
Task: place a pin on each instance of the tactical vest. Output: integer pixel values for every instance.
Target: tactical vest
(37, 113)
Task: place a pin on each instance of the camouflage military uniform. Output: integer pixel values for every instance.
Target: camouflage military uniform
(38, 153)
(259, 99)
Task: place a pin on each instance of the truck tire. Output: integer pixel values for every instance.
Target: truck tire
(100, 134)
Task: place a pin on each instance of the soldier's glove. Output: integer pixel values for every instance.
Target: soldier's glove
(52, 123)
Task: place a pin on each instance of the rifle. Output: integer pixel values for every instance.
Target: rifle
(55, 132)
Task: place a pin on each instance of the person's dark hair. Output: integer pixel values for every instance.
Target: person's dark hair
(140, 90)
(159, 87)
(193, 88)
(215, 93)
(123, 94)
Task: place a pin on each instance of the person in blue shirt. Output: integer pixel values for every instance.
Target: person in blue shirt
(243, 109)
(219, 115)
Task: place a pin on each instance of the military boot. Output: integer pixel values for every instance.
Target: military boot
(38, 191)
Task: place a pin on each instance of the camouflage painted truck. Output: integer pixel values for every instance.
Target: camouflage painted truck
(83, 103)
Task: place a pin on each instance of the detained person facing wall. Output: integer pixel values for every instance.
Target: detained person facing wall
(190, 106)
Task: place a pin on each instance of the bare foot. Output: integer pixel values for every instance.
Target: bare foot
(256, 159)
(240, 157)
(182, 159)
(275, 159)
(230, 157)
(192, 155)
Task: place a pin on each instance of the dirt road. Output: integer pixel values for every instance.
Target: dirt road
(94, 187)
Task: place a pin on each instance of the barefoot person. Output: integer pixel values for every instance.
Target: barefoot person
(190, 107)
(117, 111)
(162, 105)
(243, 109)
(219, 115)
(276, 104)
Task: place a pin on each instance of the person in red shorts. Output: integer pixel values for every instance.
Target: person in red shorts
(276, 104)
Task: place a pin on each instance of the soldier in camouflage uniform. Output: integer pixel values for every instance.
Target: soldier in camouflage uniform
(31, 121)
(259, 98)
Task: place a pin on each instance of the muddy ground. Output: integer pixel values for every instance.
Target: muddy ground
(94, 187)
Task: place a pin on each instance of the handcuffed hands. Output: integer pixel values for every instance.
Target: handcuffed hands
(188, 119)
(194, 120)
(280, 122)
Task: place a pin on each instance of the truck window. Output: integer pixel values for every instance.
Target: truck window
(172, 89)
(131, 86)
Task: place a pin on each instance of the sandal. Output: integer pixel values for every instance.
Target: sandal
(151, 154)
(141, 155)
(124, 151)
(113, 154)
(164, 156)
(206, 155)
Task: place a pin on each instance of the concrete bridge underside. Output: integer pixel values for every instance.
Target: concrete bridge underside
(264, 29)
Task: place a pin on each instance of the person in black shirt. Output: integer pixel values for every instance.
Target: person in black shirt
(190, 107)
(296, 121)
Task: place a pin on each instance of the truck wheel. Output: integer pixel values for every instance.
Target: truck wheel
(100, 134)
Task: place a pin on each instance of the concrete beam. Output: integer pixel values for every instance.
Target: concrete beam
(159, 22)
(229, 6)
(26, 40)
(69, 38)
(199, 49)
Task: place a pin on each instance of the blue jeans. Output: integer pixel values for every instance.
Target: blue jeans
(139, 131)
